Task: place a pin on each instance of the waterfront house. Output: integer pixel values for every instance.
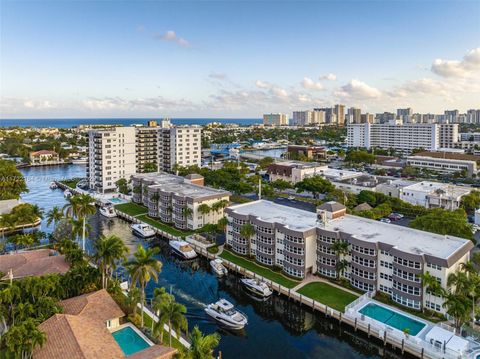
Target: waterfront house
(43, 157)
(32, 263)
(379, 256)
(86, 329)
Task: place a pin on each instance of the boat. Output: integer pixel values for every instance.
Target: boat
(182, 249)
(218, 267)
(53, 185)
(107, 211)
(142, 230)
(67, 193)
(257, 287)
(79, 160)
(225, 313)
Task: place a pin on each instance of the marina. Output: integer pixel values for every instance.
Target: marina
(278, 326)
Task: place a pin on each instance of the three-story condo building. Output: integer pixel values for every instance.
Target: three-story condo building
(184, 202)
(375, 255)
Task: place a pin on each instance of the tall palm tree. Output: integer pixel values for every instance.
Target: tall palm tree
(201, 346)
(86, 208)
(430, 284)
(173, 314)
(77, 228)
(160, 298)
(204, 209)
(187, 212)
(340, 248)
(247, 231)
(108, 251)
(72, 208)
(133, 298)
(142, 268)
(54, 216)
(222, 224)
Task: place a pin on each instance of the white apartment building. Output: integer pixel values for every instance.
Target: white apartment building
(444, 165)
(174, 199)
(111, 156)
(434, 194)
(275, 119)
(402, 137)
(294, 171)
(119, 152)
(180, 146)
(381, 256)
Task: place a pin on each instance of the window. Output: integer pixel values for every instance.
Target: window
(364, 262)
(406, 288)
(407, 263)
(364, 274)
(293, 272)
(367, 251)
(406, 275)
(386, 264)
(385, 276)
(434, 306)
(385, 289)
(327, 272)
(326, 239)
(295, 250)
(328, 261)
(360, 285)
(295, 261)
(264, 260)
(294, 239)
(325, 250)
(434, 266)
(405, 301)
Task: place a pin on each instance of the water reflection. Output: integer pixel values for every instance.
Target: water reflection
(277, 328)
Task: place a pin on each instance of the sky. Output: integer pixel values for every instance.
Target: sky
(235, 59)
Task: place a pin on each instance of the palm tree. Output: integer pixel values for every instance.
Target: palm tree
(222, 224)
(108, 251)
(201, 346)
(77, 228)
(142, 268)
(340, 248)
(458, 307)
(204, 209)
(85, 209)
(187, 212)
(133, 298)
(430, 284)
(54, 216)
(160, 298)
(172, 313)
(247, 231)
(72, 208)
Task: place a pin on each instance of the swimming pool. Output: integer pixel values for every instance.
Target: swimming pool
(116, 200)
(392, 318)
(129, 340)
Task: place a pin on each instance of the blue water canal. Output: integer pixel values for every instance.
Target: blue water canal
(276, 329)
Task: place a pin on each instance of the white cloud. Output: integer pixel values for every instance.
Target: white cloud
(217, 76)
(263, 85)
(358, 90)
(469, 65)
(308, 83)
(171, 36)
(328, 77)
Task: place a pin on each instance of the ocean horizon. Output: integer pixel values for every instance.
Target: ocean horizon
(68, 123)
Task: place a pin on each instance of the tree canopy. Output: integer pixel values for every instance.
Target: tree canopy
(12, 182)
(441, 221)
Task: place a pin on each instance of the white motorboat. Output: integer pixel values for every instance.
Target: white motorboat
(67, 193)
(225, 313)
(257, 287)
(107, 211)
(142, 230)
(218, 267)
(79, 160)
(182, 249)
(53, 185)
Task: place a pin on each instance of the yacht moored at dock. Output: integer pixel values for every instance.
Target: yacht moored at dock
(142, 230)
(107, 211)
(257, 287)
(225, 313)
(67, 194)
(182, 249)
(53, 185)
(218, 267)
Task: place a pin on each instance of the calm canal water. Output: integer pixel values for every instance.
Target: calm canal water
(276, 329)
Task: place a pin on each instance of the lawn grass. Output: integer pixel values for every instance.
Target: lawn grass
(263, 271)
(327, 294)
(132, 209)
(163, 226)
(72, 182)
(147, 321)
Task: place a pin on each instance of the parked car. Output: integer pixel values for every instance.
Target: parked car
(395, 216)
(385, 220)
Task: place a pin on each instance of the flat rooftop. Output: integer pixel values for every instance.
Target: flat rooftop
(177, 185)
(430, 188)
(405, 239)
(300, 164)
(447, 156)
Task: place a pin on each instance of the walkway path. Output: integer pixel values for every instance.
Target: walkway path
(313, 278)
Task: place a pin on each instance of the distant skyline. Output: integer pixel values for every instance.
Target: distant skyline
(235, 59)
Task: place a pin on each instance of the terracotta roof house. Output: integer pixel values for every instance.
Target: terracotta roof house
(33, 263)
(86, 330)
(43, 156)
